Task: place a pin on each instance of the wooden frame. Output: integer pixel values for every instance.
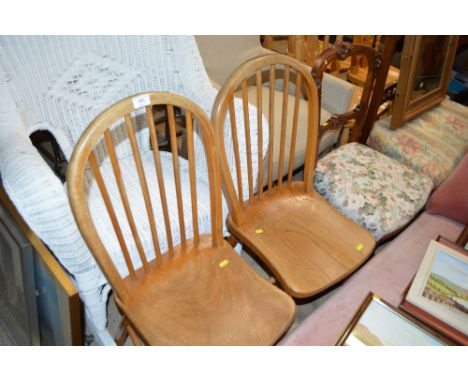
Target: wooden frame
(463, 238)
(405, 108)
(433, 338)
(70, 308)
(435, 314)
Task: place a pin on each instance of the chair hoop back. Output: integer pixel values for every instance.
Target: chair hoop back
(254, 73)
(84, 159)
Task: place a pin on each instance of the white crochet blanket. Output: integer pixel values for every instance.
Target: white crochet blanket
(60, 84)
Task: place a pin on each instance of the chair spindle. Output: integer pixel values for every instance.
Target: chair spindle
(124, 197)
(176, 168)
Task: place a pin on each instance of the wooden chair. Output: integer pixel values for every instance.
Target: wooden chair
(357, 72)
(355, 118)
(198, 291)
(304, 48)
(366, 186)
(306, 244)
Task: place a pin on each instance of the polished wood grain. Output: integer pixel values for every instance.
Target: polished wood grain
(378, 92)
(215, 304)
(341, 52)
(306, 244)
(158, 169)
(407, 107)
(259, 131)
(198, 292)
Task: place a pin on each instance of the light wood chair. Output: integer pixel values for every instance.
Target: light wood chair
(357, 72)
(304, 48)
(199, 291)
(306, 244)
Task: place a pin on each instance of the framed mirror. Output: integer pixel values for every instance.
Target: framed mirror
(426, 66)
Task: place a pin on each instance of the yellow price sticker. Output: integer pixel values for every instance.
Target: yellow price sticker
(259, 230)
(359, 247)
(223, 263)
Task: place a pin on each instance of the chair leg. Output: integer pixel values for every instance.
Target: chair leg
(232, 240)
(133, 336)
(125, 330)
(122, 332)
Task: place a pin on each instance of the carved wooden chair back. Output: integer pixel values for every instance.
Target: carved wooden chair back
(341, 52)
(83, 156)
(295, 75)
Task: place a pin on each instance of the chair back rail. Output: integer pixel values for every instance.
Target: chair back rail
(292, 70)
(340, 52)
(84, 156)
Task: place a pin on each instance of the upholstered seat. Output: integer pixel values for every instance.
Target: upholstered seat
(375, 191)
(433, 143)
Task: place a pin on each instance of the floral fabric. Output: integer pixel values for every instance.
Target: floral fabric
(371, 189)
(433, 143)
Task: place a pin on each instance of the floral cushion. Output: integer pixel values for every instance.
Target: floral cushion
(433, 143)
(371, 189)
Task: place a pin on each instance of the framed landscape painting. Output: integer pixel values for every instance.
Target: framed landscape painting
(377, 323)
(440, 288)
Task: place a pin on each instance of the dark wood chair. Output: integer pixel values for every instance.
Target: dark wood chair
(355, 118)
(354, 178)
(198, 291)
(302, 239)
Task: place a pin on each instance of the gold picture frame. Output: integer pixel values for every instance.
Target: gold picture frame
(408, 104)
(378, 323)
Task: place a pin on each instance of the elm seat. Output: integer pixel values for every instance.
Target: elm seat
(214, 305)
(371, 189)
(306, 258)
(433, 143)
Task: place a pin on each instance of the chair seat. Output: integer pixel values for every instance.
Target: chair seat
(433, 143)
(208, 297)
(305, 258)
(370, 188)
